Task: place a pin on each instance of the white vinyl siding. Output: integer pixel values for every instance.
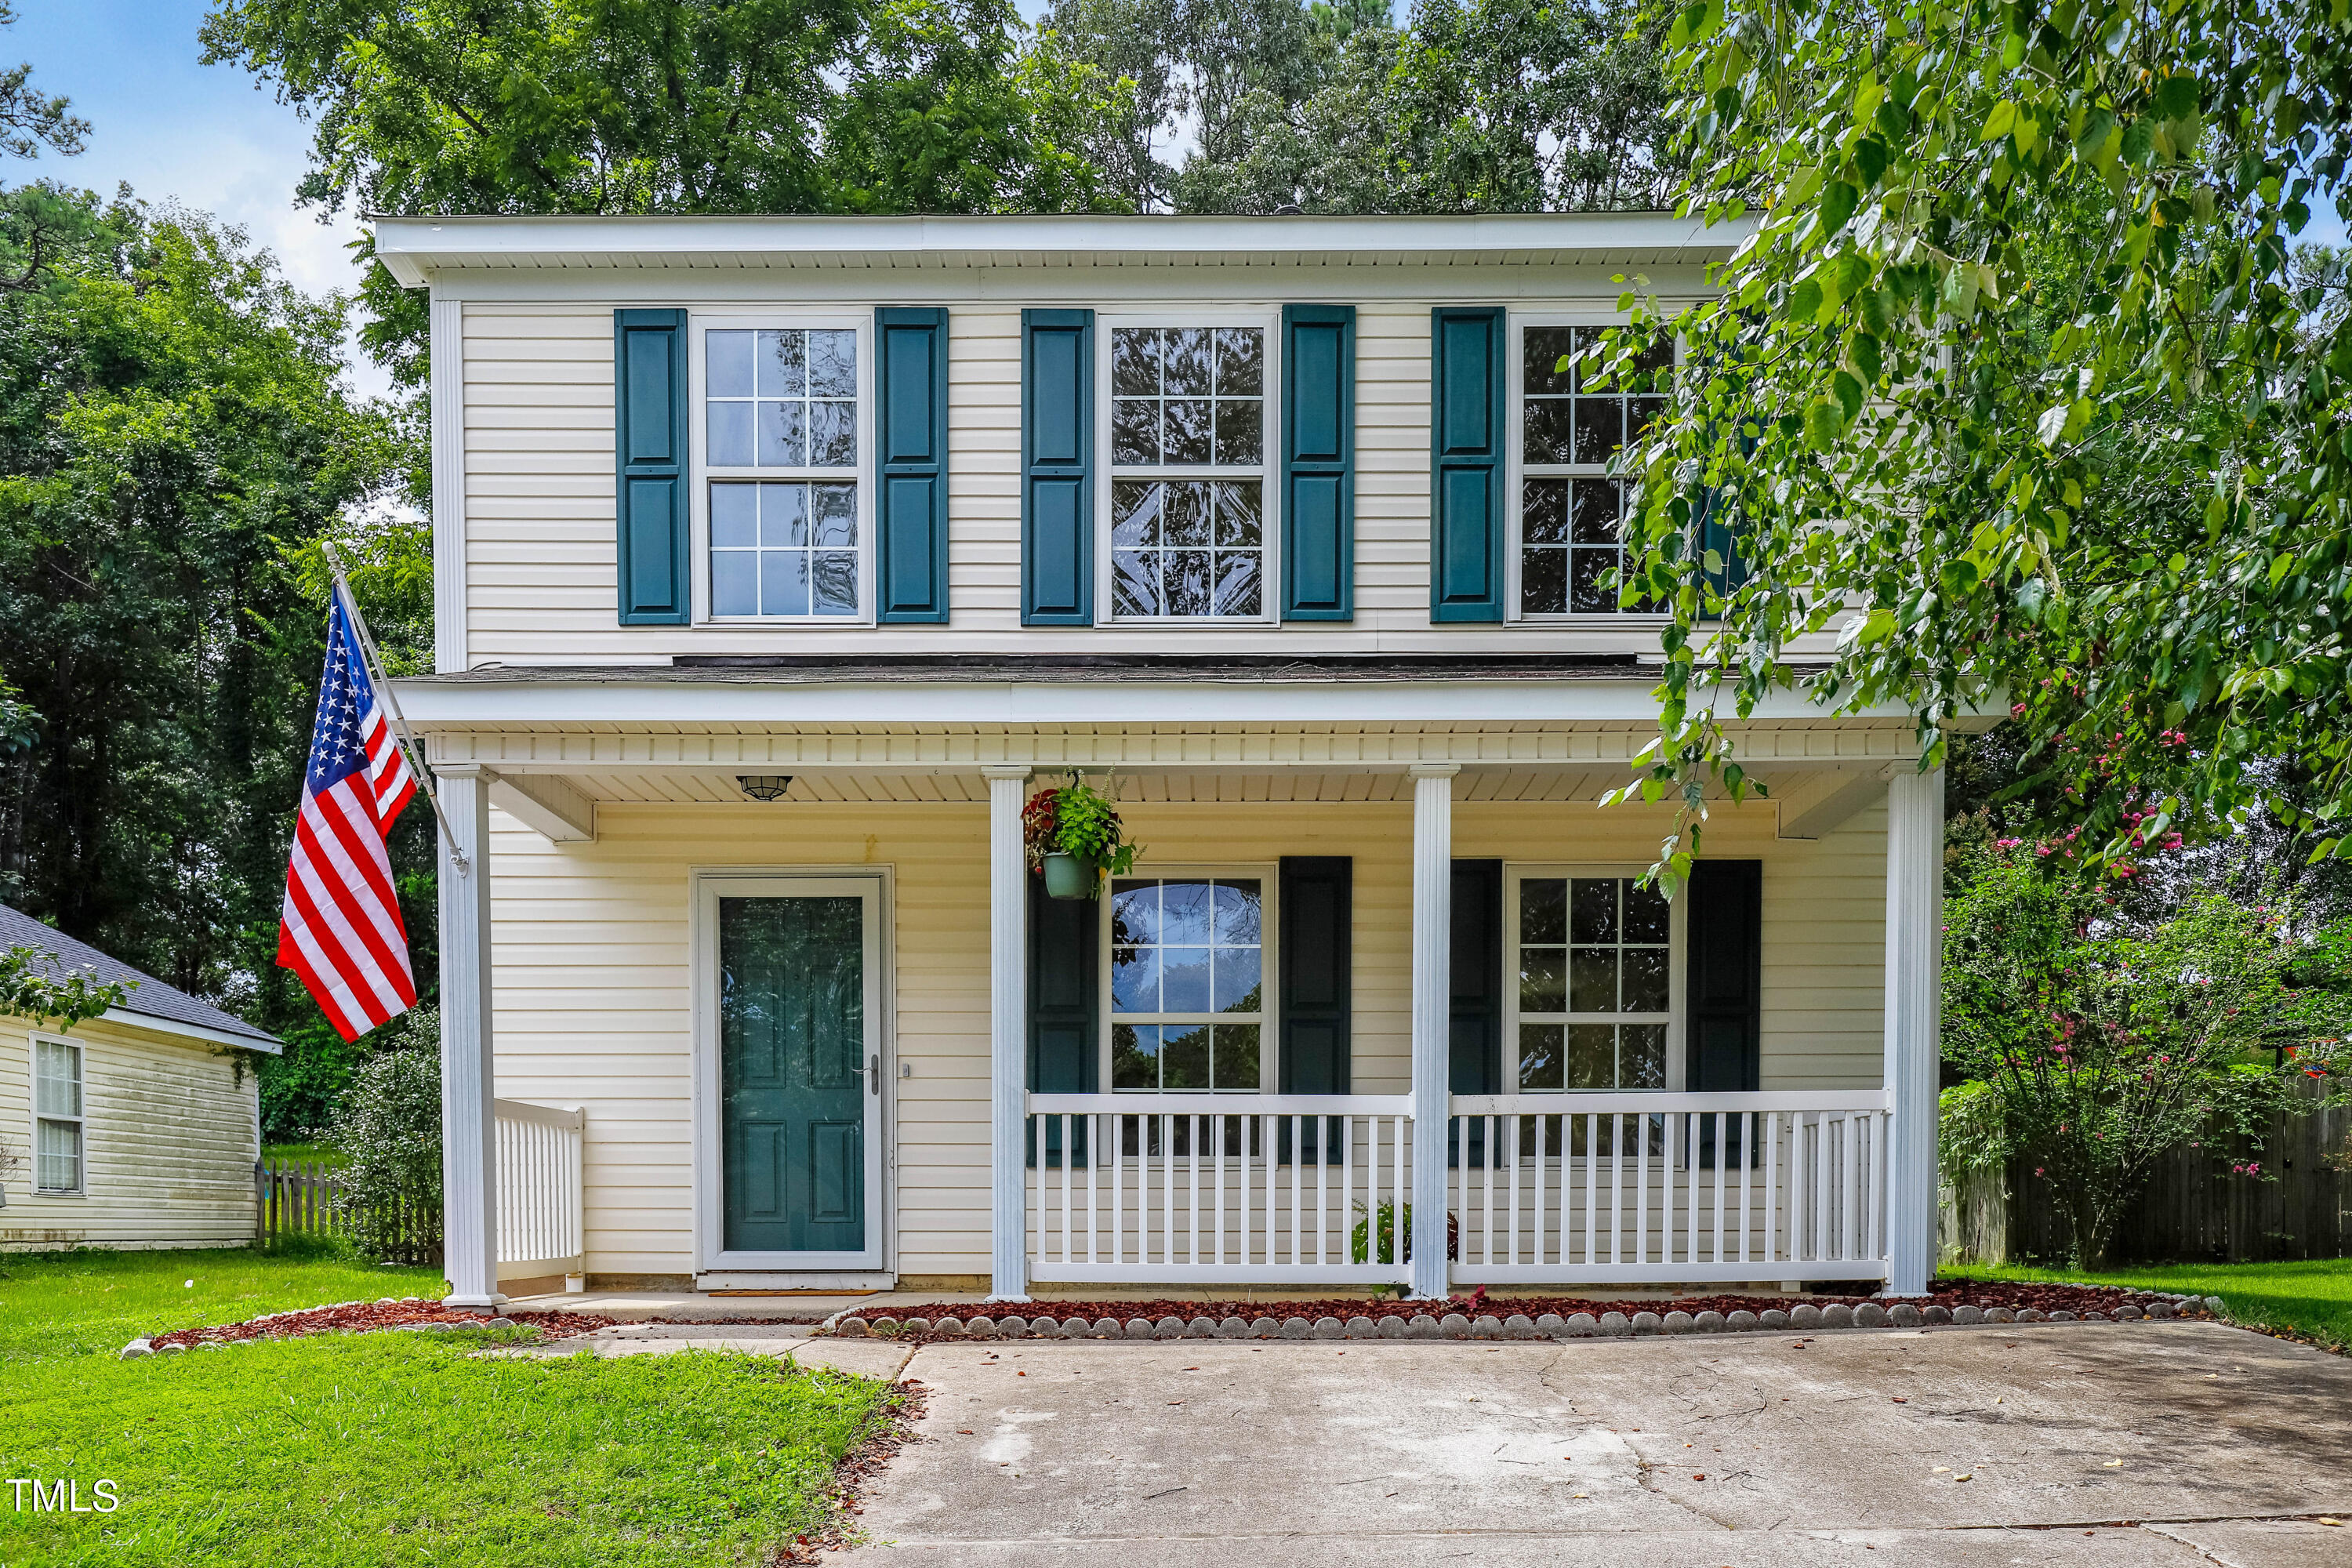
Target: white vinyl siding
(167, 1137)
(590, 960)
(537, 481)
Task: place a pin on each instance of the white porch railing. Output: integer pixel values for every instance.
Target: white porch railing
(1548, 1189)
(1567, 1188)
(1217, 1188)
(542, 1225)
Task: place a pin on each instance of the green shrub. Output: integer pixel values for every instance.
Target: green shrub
(390, 1129)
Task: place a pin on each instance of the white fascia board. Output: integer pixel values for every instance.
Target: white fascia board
(478, 703)
(414, 249)
(156, 1024)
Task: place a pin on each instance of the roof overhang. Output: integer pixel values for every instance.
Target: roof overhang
(156, 1024)
(418, 250)
(669, 698)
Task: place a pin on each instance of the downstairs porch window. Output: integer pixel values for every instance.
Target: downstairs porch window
(1594, 963)
(1188, 976)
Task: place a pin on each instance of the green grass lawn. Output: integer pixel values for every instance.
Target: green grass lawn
(2313, 1298)
(62, 1303)
(388, 1449)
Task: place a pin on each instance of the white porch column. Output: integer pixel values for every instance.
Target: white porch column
(1914, 946)
(1008, 1035)
(1433, 1007)
(469, 1172)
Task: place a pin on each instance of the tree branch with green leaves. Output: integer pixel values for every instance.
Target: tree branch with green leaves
(2019, 399)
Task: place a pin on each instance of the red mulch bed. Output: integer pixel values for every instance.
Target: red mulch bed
(2075, 1299)
(361, 1317)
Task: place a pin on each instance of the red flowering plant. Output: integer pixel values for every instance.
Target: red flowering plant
(2094, 1050)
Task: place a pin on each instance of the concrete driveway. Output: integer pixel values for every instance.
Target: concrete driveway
(2050, 1446)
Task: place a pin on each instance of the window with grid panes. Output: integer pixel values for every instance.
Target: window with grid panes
(57, 1116)
(780, 450)
(1594, 958)
(1188, 466)
(1187, 984)
(1570, 509)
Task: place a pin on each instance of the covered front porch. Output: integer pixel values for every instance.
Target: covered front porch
(576, 962)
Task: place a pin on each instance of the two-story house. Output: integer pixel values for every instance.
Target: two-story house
(780, 561)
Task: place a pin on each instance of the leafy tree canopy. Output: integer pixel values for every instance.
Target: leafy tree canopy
(1257, 106)
(2021, 397)
(635, 106)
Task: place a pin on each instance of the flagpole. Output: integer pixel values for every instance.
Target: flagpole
(401, 737)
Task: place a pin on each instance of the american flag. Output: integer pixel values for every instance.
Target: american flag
(341, 931)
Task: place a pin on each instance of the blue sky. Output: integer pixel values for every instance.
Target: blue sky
(172, 127)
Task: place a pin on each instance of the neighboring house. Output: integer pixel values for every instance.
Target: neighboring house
(1295, 526)
(138, 1128)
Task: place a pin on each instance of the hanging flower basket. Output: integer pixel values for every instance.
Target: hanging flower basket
(1074, 839)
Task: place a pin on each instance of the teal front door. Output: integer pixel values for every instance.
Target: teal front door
(796, 1060)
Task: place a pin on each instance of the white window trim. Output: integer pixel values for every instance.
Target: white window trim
(862, 473)
(1514, 503)
(80, 1123)
(1269, 470)
(1268, 878)
(1513, 873)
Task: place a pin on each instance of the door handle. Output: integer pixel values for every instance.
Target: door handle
(873, 1071)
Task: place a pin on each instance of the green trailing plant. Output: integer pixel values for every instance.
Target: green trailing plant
(1379, 1227)
(1077, 820)
(34, 983)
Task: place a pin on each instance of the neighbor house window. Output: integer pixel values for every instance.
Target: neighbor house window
(780, 414)
(1570, 509)
(1594, 962)
(57, 1116)
(1188, 458)
(1188, 976)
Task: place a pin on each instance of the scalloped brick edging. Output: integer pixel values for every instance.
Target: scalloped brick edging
(1806, 1316)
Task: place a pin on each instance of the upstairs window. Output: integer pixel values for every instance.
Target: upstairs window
(1189, 439)
(1570, 510)
(1594, 965)
(1188, 976)
(57, 1155)
(784, 512)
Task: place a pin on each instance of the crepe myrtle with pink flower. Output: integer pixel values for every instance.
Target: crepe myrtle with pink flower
(2094, 1050)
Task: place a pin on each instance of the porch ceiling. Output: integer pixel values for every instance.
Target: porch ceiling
(1182, 788)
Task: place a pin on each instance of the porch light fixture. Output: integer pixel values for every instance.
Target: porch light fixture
(765, 787)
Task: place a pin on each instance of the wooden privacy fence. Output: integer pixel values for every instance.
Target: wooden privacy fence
(310, 1197)
(2196, 1209)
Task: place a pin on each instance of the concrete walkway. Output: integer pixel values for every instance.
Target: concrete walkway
(2129, 1444)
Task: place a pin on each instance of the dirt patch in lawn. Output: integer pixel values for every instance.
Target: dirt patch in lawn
(364, 1317)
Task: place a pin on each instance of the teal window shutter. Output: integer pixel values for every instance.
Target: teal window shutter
(649, 396)
(911, 468)
(1318, 462)
(1467, 457)
(1058, 437)
(1476, 1000)
(1718, 530)
(1065, 1037)
(1317, 973)
(1724, 989)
